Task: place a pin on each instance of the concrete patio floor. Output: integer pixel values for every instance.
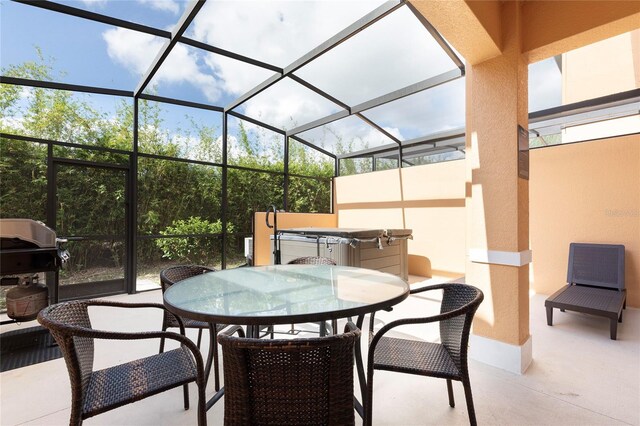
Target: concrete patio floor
(578, 376)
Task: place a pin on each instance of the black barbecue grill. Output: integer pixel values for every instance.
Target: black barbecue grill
(27, 248)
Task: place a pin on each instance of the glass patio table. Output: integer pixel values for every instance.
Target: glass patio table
(284, 294)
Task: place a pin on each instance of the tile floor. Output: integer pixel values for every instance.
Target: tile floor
(578, 376)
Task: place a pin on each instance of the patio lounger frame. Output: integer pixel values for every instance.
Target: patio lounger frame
(595, 280)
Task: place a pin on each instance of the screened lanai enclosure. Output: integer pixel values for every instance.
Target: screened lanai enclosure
(146, 133)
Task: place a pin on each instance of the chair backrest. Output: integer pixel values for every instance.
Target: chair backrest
(454, 331)
(600, 265)
(309, 381)
(173, 274)
(312, 260)
(78, 352)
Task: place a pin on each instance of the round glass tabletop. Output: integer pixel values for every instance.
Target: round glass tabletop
(281, 294)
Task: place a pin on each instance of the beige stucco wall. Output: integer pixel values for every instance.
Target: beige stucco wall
(619, 70)
(585, 192)
(552, 27)
(428, 199)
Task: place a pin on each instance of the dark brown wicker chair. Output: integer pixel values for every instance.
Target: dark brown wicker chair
(172, 275)
(94, 392)
(445, 360)
(289, 382)
(317, 260)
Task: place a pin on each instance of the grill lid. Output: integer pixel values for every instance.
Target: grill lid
(30, 231)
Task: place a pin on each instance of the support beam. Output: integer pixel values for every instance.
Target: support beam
(549, 27)
(554, 27)
(319, 122)
(319, 91)
(187, 17)
(497, 196)
(180, 102)
(256, 122)
(64, 86)
(591, 105)
(224, 190)
(222, 52)
(369, 152)
(426, 145)
(313, 146)
(253, 92)
(378, 128)
(448, 135)
(92, 16)
(437, 37)
(481, 38)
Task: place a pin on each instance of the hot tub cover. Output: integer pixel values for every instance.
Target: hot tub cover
(360, 233)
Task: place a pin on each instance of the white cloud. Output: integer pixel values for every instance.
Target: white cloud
(288, 104)
(26, 93)
(233, 149)
(392, 53)
(162, 5)
(276, 32)
(136, 51)
(94, 3)
(131, 49)
(393, 131)
(181, 67)
(545, 85)
(374, 62)
(434, 110)
(16, 124)
(236, 77)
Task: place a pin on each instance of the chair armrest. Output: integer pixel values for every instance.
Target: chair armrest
(141, 335)
(233, 329)
(373, 341)
(351, 327)
(110, 303)
(93, 333)
(435, 318)
(428, 288)
(414, 291)
(121, 335)
(99, 302)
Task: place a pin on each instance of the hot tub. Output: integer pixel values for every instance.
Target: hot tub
(380, 249)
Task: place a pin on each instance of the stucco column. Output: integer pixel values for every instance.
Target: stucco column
(497, 201)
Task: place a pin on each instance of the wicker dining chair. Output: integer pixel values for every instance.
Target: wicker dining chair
(172, 275)
(97, 391)
(445, 360)
(288, 381)
(317, 260)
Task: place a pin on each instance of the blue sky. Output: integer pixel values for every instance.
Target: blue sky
(374, 62)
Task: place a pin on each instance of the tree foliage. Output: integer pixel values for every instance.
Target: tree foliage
(173, 196)
(187, 249)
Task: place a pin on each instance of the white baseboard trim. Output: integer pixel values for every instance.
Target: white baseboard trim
(513, 358)
(509, 258)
